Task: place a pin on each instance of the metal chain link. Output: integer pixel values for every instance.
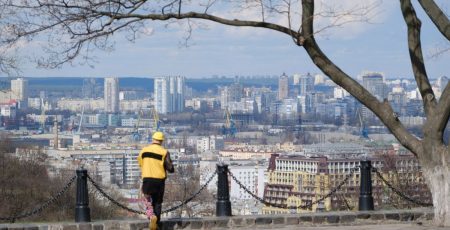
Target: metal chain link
(39, 209)
(306, 206)
(193, 196)
(112, 200)
(398, 192)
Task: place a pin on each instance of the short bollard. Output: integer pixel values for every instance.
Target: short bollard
(365, 194)
(82, 211)
(223, 204)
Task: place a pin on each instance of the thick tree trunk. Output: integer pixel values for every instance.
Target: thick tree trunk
(438, 180)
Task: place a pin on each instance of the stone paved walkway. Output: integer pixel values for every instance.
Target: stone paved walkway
(365, 227)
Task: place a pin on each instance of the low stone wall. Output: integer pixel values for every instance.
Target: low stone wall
(256, 222)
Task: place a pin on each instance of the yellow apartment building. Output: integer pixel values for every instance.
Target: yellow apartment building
(295, 181)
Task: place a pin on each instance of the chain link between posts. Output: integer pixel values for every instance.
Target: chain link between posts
(398, 192)
(117, 203)
(193, 196)
(305, 206)
(112, 200)
(41, 208)
(241, 185)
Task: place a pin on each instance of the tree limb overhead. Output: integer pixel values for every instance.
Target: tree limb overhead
(381, 109)
(416, 56)
(438, 17)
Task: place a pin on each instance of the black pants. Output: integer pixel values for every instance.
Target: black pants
(154, 188)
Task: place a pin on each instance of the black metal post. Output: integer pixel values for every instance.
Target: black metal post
(82, 211)
(365, 189)
(223, 204)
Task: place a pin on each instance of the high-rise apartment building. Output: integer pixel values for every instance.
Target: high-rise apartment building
(89, 89)
(398, 100)
(283, 87)
(111, 94)
(169, 93)
(232, 93)
(19, 89)
(319, 79)
(296, 79)
(374, 83)
(306, 84)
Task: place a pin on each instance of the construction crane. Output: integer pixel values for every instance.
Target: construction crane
(156, 125)
(77, 132)
(81, 120)
(136, 136)
(156, 121)
(42, 128)
(364, 132)
(229, 129)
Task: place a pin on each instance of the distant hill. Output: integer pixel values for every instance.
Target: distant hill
(145, 84)
(204, 84)
(55, 82)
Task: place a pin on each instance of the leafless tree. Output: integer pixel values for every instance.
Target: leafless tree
(74, 28)
(406, 177)
(25, 185)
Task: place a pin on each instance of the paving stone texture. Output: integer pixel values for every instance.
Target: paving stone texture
(426, 226)
(418, 219)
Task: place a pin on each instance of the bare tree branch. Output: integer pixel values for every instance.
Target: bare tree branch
(416, 56)
(79, 21)
(195, 15)
(8, 65)
(439, 50)
(113, 19)
(341, 17)
(208, 5)
(171, 5)
(438, 17)
(262, 10)
(382, 109)
(443, 111)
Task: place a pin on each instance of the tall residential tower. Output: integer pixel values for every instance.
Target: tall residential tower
(19, 89)
(111, 95)
(283, 87)
(169, 94)
(374, 83)
(306, 84)
(231, 93)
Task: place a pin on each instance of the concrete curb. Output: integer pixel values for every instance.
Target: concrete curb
(260, 221)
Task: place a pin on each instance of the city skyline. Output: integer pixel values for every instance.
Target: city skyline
(227, 51)
(250, 122)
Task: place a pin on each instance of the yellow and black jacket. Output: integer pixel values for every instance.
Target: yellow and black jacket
(152, 160)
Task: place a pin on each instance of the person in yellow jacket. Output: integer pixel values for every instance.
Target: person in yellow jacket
(154, 160)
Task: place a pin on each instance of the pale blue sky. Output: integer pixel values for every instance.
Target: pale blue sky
(221, 50)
